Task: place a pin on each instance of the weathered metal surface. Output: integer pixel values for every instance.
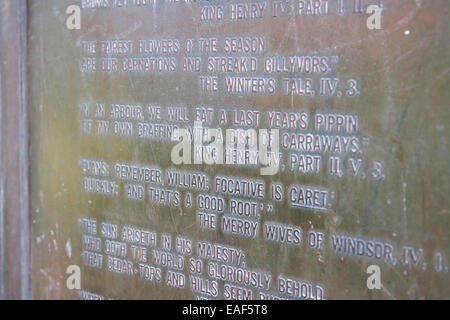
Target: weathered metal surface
(362, 116)
(14, 144)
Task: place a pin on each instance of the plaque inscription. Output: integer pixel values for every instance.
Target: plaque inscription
(240, 149)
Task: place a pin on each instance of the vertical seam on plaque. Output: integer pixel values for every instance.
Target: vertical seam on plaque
(2, 179)
(23, 149)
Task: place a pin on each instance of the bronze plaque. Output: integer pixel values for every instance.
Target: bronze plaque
(239, 149)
